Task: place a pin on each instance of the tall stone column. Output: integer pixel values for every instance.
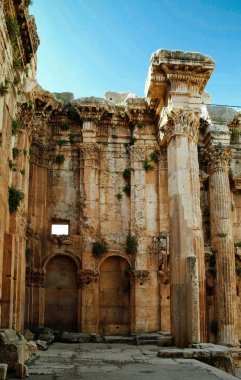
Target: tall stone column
(89, 206)
(222, 242)
(138, 229)
(185, 319)
(197, 229)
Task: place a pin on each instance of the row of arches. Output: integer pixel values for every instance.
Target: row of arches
(61, 295)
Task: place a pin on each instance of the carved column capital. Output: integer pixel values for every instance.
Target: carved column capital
(87, 277)
(35, 277)
(218, 158)
(182, 122)
(89, 151)
(141, 277)
(137, 153)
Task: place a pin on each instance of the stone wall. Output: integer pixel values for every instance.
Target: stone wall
(149, 189)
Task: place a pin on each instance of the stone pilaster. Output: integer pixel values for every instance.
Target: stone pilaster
(218, 159)
(89, 190)
(88, 285)
(185, 319)
(138, 228)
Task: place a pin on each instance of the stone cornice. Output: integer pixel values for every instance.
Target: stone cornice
(27, 40)
(218, 158)
(177, 67)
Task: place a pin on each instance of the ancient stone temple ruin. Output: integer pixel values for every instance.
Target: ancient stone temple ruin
(118, 215)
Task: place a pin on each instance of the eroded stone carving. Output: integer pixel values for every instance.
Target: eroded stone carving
(217, 158)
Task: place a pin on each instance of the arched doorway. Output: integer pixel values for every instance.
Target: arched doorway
(114, 296)
(61, 294)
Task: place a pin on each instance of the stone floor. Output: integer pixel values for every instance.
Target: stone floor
(98, 361)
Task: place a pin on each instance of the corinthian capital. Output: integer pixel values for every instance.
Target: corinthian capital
(218, 158)
(181, 122)
(137, 153)
(89, 150)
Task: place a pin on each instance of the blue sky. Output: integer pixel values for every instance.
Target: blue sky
(91, 46)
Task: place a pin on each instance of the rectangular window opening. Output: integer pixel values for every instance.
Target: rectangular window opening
(60, 229)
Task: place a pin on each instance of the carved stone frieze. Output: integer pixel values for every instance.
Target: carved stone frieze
(217, 157)
(182, 122)
(237, 182)
(141, 277)
(137, 153)
(89, 151)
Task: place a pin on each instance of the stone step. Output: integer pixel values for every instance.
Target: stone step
(120, 339)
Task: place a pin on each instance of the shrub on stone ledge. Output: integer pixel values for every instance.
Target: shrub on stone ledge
(59, 159)
(98, 249)
(15, 196)
(4, 88)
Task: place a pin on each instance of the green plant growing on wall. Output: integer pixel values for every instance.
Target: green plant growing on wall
(212, 263)
(127, 174)
(25, 151)
(98, 249)
(154, 156)
(12, 165)
(139, 124)
(62, 142)
(72, 137)
(127, 189)
(13, 28)
(64, 127)
(28, 251)
(131, 244)
(16, 126)
(15, 196)
(4, 88)
(59, 159)
(119, 196)
(132, 140)
(72, 112)
(22, 171)
(28, 3)
(234, 135)
(15, 152)
(237, 244)
(13, 31)
(147, 166)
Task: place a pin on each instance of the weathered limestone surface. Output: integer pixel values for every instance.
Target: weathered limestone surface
(125, 176)
(222, 241)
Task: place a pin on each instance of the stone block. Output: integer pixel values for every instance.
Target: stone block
(27, 334)
(14, 349)
(48, 338)
(164, 341)
(68, 337)
(41, 345)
